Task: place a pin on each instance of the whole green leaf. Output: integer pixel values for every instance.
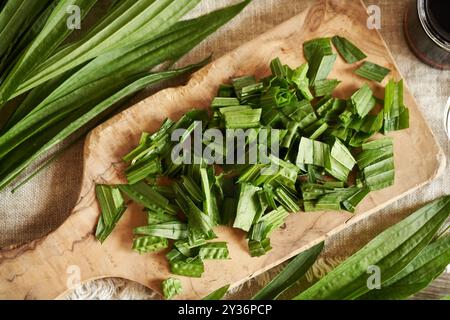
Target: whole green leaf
(70, 127)
(341, 161)
(309, 47)
(321, 64)
(114, 68)
(396, 115)
(53, 34)
(426, 267)
(143, 20)
(363, 101)
(104, 22)
(148, 244)
(47, 114)
(189, 267)
(34, 98)
(313, 152)
(290, 274)
(20, 155)
(146, 196)
(391, 251)
(218, 294)
(22, 17)
(247, 208)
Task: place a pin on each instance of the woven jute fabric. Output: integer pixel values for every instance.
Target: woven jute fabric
(43, 204)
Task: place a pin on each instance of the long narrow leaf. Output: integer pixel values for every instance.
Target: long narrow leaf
(128, 61)
(218, 294)
(79, 122)
(53, 34)
(426, 267)
(290, 274)
(391, 252)
(9, 61)
(144, 20)
(22, 17)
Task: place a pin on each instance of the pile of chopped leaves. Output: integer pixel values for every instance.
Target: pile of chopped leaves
(330, 157)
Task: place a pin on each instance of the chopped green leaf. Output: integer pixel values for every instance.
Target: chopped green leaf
(220, 102)
(214, 251)
(242, 82)
(348, 50)
(112, 208)
(248, 206)
(186, 247)
(273, 220)
(210, 206)
(372, 71)
(278, 69)
(157, 217)
(290, 274)
(351, 203)
(325, 87)
(171, 287)
(381, 174)
(189, 267)
(312, 152)
(363, 101)
(148, 244)
(374, 152)
(197, 219)
(192, 189)
(309, 47)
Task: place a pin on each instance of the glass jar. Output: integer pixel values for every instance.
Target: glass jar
(427, 31)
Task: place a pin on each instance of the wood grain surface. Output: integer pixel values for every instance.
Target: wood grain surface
(43, 269)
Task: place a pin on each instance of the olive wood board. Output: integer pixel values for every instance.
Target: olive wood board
(48, 267)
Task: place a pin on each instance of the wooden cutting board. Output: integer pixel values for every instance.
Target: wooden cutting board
(48, 267)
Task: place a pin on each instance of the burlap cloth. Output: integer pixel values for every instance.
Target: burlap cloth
(44, 203)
